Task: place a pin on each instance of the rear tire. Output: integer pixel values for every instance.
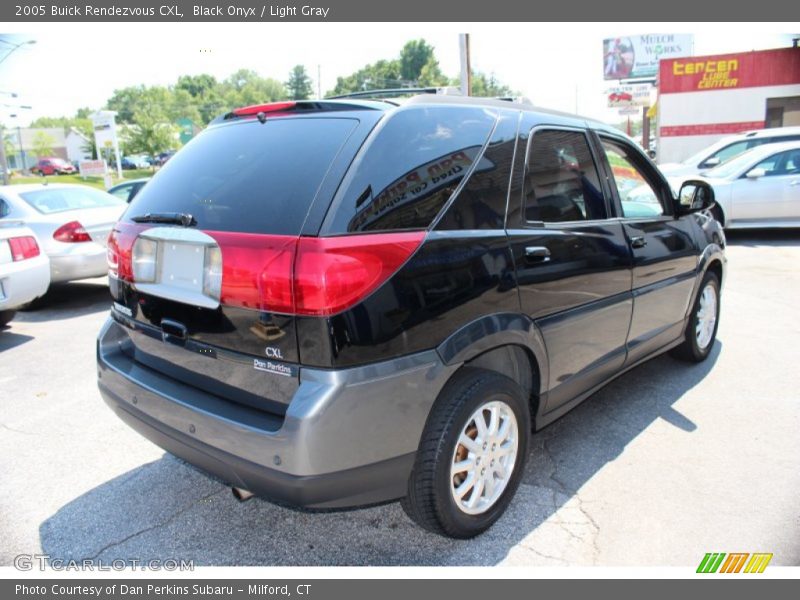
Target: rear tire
(441, 488)
(701, 330)
(6, 316)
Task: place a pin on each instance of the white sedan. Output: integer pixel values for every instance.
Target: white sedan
(71, 222)
(24, 269)
(759, 188)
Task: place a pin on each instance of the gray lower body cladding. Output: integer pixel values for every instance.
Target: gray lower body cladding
(348, 437)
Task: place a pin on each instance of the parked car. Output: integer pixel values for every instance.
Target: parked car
(337, 303)
(53, 166)
(128, 189)
(24, 269)
(71, 222)
(620, 97)
(759, 188)
(729, 147)
(135, 162)
(162, 158)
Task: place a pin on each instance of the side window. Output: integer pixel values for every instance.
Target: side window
(638, 195)
(727, 153)
(409, 168)
(4, 210)
(122, 192)
(783, 163)
(561, 179)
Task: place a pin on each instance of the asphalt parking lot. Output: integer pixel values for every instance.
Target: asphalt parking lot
(663, 465)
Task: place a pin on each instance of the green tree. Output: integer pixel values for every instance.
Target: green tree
(431, 75)
(413, 57)
(42, 144)
(150, 133)
(487, 86)
(298, 86)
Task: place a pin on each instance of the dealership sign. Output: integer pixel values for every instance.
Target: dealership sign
(637, 56)
(730, 71)
(622, 96)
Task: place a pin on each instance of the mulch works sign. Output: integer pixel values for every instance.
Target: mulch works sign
(726, 71)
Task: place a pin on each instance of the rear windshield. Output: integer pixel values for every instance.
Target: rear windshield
(248, 177)
(409, 169)
(61, 199)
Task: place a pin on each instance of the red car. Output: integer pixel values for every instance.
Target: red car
(53, 166)
(620, 97)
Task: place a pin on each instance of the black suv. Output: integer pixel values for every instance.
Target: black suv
(339, 303)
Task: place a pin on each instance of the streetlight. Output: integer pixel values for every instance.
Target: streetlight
(3, 162)
(15, 47)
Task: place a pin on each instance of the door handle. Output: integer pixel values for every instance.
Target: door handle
(638, 242)
(794, 182)
(537, 254)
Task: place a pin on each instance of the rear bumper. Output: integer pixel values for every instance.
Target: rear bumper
(81, 261)
(349, 437)
(24, 281)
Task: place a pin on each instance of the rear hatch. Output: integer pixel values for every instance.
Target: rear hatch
(199, 261)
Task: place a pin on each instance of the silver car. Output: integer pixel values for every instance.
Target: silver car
(71, 222)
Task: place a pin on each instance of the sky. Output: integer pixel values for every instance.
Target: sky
(556, 65)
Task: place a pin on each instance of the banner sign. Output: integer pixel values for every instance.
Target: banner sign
(637, 56)
(622, 96)
(92, 167)
(727, 71)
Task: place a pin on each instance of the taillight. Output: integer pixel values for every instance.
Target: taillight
(278, 273)
(71, 232)
(257, 270)
(23, 248)
(333, 274)
(308, 276)
(120, 249)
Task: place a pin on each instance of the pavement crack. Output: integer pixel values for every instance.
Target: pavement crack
(163, 523)
(4, 426)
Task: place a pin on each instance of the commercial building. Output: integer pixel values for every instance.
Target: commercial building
(704, 98)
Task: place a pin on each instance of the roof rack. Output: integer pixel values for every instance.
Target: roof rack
(397, 92)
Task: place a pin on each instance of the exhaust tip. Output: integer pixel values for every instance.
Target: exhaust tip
(241, 495)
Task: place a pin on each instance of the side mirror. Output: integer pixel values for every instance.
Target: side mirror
(756, 173)
(711, 162)
(694, 196)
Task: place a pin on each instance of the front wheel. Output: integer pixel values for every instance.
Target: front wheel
(6, 316)
(701, 330)
(471, 456)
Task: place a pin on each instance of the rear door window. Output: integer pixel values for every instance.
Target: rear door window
(561, 179)
(54, 200)
(248, 177)
(409, 168)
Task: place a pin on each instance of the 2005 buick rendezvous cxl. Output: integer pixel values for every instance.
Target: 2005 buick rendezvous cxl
(337, 303)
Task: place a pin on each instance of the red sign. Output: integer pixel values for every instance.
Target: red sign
(730, 71)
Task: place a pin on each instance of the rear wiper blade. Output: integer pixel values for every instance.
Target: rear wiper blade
(184, 219)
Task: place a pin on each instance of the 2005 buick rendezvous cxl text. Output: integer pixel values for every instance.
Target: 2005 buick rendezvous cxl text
(337, 303)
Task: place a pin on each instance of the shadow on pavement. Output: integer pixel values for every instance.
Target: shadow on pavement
(9, 339)
(166, 509)
(763, 237)
(68, 300)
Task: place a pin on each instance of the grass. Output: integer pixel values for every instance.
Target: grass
(96, 182)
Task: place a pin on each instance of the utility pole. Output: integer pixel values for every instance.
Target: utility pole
(466, 71)
(3, 161)
(319, 82)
